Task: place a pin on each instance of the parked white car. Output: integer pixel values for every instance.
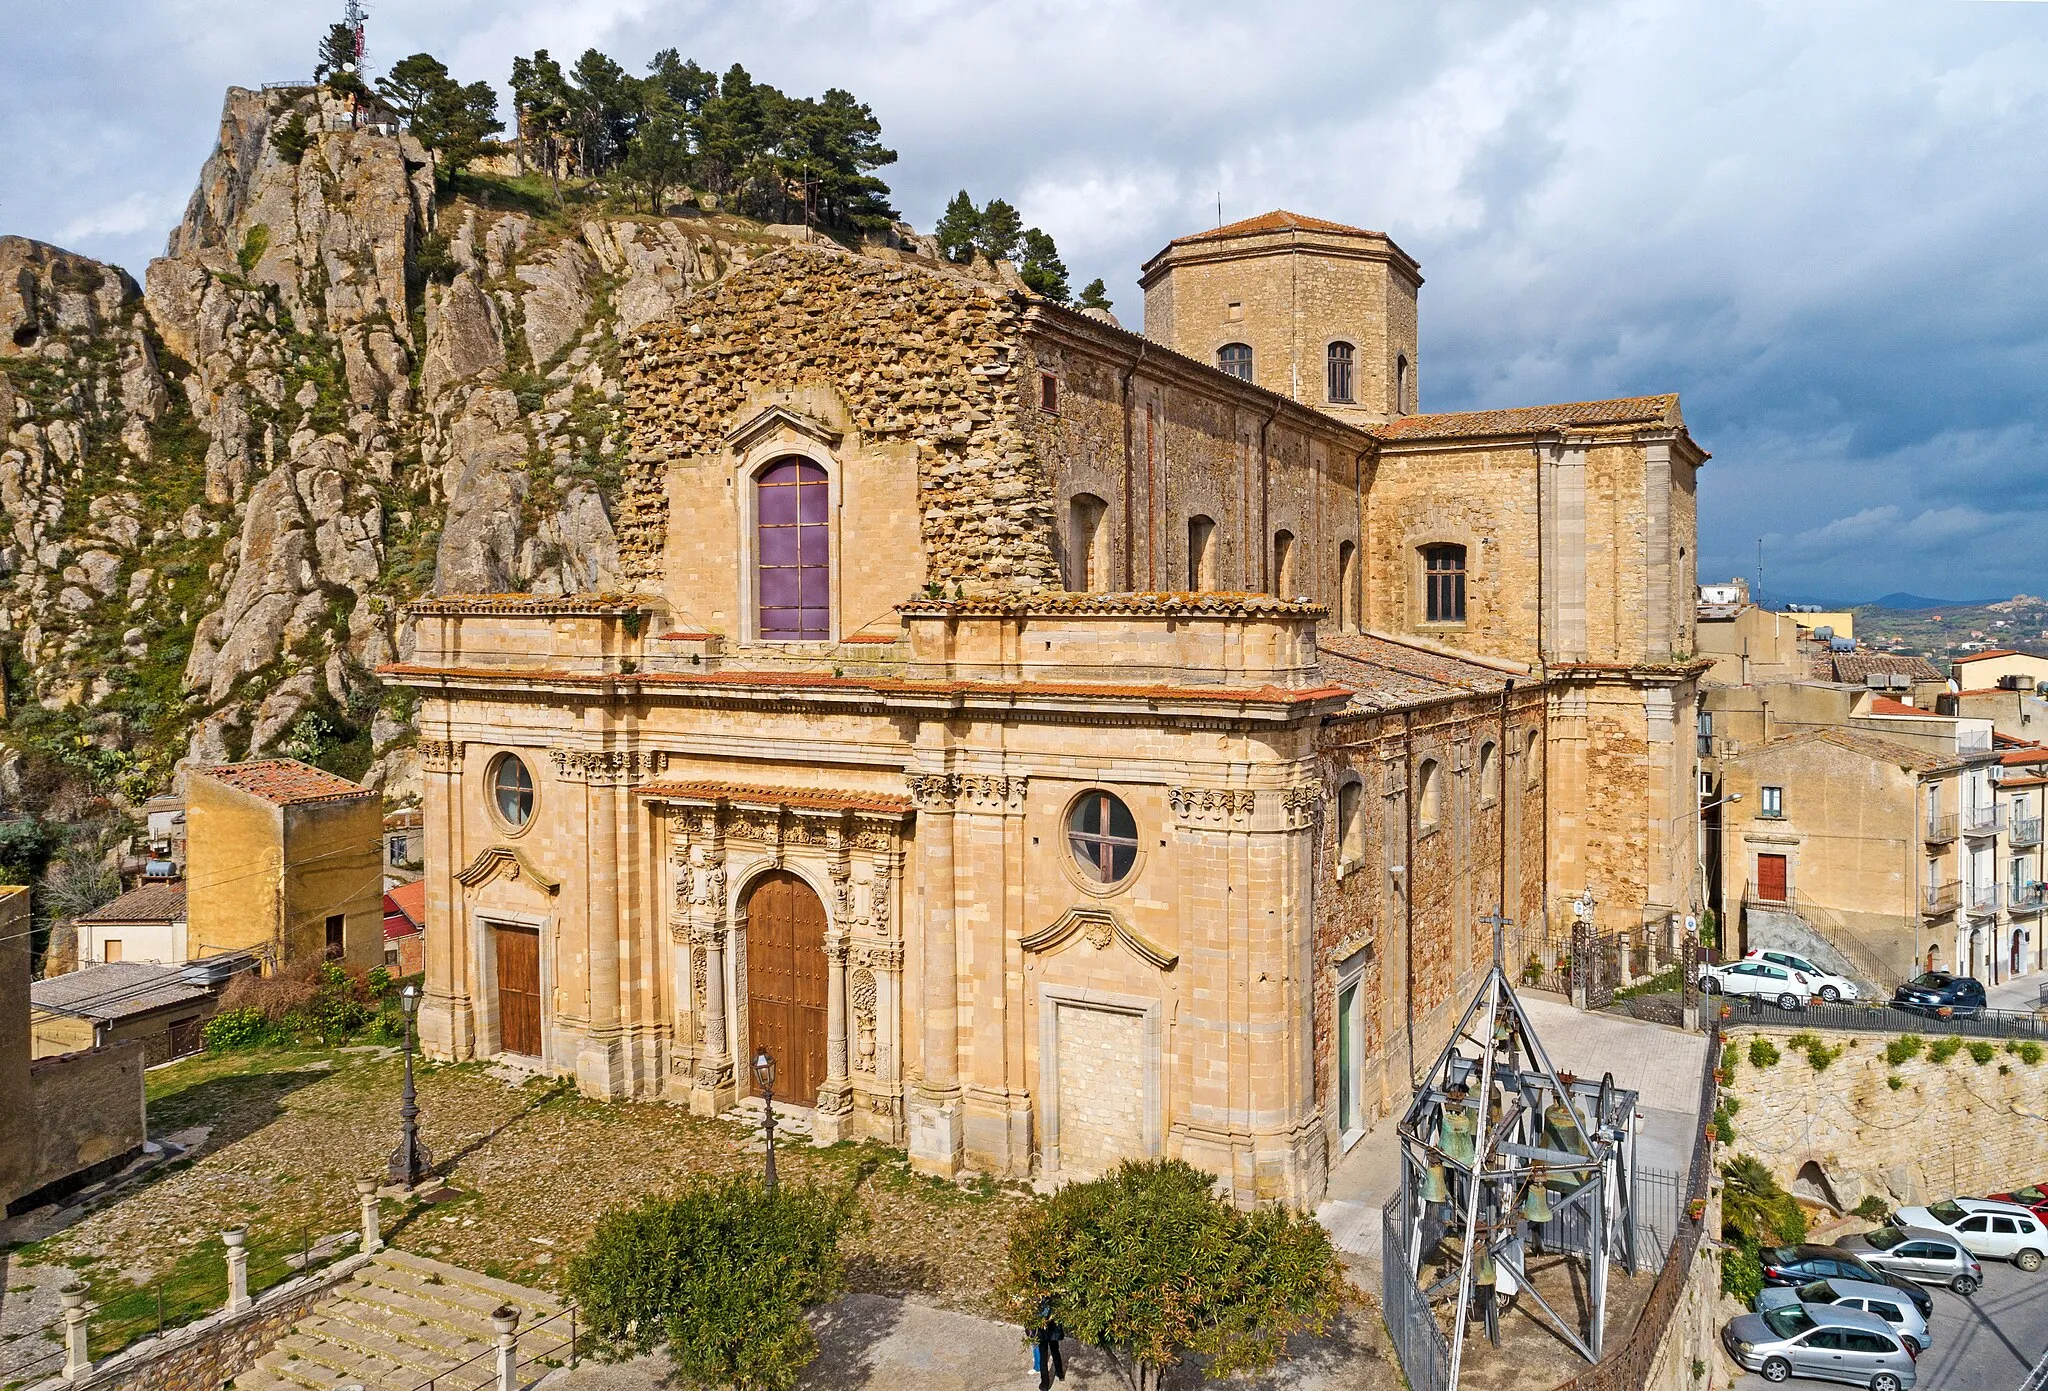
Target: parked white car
(1826, 984)
(1789, 989)
(1985, 1227)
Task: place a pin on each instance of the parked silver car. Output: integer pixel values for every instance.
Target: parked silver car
(1885, 1301)
(1823, 1341)
(1926, 1257)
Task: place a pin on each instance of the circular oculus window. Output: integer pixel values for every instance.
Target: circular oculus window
(511, 791)
(1103, 837)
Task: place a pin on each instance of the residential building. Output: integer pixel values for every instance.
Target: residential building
(156, 1007)
(144, 924)
(1748, 644)
(2022, 797)
(1056, 747)
(2000, 668)
(2015, 713)
(164, 848)
(284, 860)
(405, 925)
(405, 846)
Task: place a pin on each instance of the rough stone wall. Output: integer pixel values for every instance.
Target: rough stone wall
(1952, 1128)
(87, 1109)
(17, 1097)
(917, 354)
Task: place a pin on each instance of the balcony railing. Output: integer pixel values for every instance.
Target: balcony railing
(1981, 821)
(1941, 829)
(2026, 831)
(2026, 901)
(1984, 900)
(1937, 899)
(1973, 741)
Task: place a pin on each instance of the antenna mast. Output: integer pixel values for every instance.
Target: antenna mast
(355, 15)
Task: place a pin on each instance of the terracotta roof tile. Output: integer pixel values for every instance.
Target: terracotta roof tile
(1532, 420)
(1854, 666)
(285, 782)
(1868, 745)
(1386, 674)
(2018, 758)
(409, 899)
(1278, 220)
(152, 903)
(1885, 705)
(1988, 652)
(810, 797)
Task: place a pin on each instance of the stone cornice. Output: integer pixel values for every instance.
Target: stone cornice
(1143, 604)
(1101, 926)
(503, 859)
(527, 605)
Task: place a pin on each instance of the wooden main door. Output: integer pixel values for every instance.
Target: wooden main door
(518, 989)
(786, 985)
(1770, 878)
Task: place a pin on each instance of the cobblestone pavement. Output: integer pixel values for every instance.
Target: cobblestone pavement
(875, 1341)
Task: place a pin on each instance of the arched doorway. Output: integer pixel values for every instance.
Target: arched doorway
(786, 984)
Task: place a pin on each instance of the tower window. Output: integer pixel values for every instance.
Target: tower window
(1350, 823)
(1087, 548)
(1236, 359)
(1340, 373)
(1201, 554)
(1283, 563)
(1401, 384)
(1444, 580)
(1048, 393)
(1347, 586)
(1429, 794)
(793, 555)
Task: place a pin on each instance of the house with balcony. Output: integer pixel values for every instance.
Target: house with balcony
(2022, 797)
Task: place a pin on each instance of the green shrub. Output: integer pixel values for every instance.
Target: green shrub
(233, 1029)
(1762, 1052)
(1755, 1209)
(1724, 1129)
(292, 139)
(253, 246)
(722, 1274)
(1894, 1081)
(1942, 1049)
(1981, 1051)
(1731, 1104)
(1148, 1262)
(1872, 1208)
(1817, 1052)
(1742, 1272)
(2030, 1052)
(379, 980)
(1903, 1048)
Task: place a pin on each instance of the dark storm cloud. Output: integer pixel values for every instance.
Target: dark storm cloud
(1820, 222)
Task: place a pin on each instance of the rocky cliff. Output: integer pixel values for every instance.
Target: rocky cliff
(337, 392)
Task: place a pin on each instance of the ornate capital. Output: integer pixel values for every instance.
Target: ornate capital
(607, 767)
(934, 791)
(440, 755)
(1212, 806)
(1300, 804)
(877, 956)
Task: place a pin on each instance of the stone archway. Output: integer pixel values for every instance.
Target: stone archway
(786, 984)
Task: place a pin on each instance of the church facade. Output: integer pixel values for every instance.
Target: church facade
(1052, 744)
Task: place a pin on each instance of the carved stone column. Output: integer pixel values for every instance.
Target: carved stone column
(935, 1120)
(713, 1091)
(447, 1021)
(835, 1098)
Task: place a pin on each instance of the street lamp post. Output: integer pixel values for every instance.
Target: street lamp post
(764, 1078)
(410, 1161)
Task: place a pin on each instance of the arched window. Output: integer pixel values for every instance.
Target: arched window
(1401, 384)
(1489, 774)
(1283, 564)
(1429, 793)
(1350, 823)
(1201, 554)
(1532, 758)
(793, 552)
(1340, 373)
(1347, 586)
(1444, 583)
(1087, 544)
(1236, 359)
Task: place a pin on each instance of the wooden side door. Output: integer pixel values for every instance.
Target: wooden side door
(1770, 878)
(786, 984)
(518, 989)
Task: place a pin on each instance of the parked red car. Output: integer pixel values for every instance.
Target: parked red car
(2034, 1197)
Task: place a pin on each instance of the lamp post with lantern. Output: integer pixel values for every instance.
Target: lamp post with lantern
(411, 1160)
(764, 1079)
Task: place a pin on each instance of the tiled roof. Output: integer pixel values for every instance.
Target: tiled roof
(1278, 220)
(1854, 666)
(1885, 705)
(1536, 420)
(815, 799)
(285, 782)
(1868, 745)
(152, 903)
(115, 990)
(1227, 603)
(409, 899)
(2016, 758)
(1994, 652)
(1386, 674)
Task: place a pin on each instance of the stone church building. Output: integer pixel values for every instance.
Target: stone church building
(1055, 744)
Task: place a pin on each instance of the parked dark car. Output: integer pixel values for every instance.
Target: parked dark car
(1796, 1265)
(1934, 991)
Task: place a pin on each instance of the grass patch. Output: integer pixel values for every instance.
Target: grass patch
(1666, 982)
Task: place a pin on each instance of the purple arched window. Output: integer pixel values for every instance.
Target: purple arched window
(793, 552)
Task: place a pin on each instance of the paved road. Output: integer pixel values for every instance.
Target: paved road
(1985, 1343)
(2021, 992)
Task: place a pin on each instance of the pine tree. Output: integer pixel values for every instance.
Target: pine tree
(661, 155)
(1000, 231)
(1043, 270)
(540, 99)
(959, 229)
(336, 69)
(1094, 295)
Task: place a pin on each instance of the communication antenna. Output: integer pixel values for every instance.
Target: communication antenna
(1760, 572)
(354, 16)
(1219, 207)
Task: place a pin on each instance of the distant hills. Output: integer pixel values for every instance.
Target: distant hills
(1902, 601)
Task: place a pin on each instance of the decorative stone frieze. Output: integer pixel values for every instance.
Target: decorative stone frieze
(441, 755)
(607, 767)
(1212, 806)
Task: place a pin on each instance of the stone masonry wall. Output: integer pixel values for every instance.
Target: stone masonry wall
(916, 353)
(88, 1108)
(1957, 1127)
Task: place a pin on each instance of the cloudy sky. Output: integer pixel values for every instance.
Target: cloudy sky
(1825, 223)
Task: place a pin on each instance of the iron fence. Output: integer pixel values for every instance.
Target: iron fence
(558, 1348)
(1881, 1017)
(1411, 1324)
(1655, 1204)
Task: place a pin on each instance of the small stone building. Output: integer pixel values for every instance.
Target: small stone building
(120, 1002)
(1056, 745)
(145, 924)
(285, 860)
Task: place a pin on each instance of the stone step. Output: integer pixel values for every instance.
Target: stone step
(459, 1306)
(382, 1319)
(300, 1353)
(499, 1291)
(390, 1344)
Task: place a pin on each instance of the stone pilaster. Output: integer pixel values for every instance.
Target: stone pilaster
(447, 1018)
(936, 1137)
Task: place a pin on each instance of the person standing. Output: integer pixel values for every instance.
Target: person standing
(1045, 1355)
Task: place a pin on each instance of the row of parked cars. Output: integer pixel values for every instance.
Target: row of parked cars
(1789, 981)
(1859, 1312)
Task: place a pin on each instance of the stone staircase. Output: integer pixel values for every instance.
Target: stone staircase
(401, 1321)
(790, 1121)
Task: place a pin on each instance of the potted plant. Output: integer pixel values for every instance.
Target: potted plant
(1710, 1132)
(1697, 1209)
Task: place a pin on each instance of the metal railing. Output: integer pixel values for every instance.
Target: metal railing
(1941, 898)
(1419, 1343)
(2026, 831)
(1882, 1017)
(1983, 900)
(1981, 821)
(2027, 899)
(1941, 829)
(463, 1375)
(1973, 741)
